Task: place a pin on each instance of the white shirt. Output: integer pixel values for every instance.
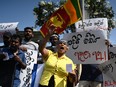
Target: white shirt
(30, 45)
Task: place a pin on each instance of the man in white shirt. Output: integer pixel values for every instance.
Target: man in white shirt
(27, 41)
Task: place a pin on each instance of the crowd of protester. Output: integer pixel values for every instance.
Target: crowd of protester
(55, 74)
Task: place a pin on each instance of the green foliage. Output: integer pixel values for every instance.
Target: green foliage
(95, 8)
(100, 8)
(44, 11)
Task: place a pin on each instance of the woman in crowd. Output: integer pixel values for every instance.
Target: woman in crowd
(57, 64)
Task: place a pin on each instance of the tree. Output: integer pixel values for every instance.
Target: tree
(95, 8)
(101, 8)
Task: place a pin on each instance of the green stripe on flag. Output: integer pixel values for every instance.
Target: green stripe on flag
(77, 7)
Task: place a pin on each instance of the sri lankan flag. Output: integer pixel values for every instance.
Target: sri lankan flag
(66, 15)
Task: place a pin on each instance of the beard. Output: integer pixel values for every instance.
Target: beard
(28, 37)
(13, 48)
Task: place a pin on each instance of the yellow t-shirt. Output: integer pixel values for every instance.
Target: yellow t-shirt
(57, 67)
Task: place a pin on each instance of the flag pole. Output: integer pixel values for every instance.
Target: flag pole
(83, 14)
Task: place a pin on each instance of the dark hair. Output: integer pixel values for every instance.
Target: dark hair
(54, 35)
(26, 28)
(16, 36)
(7, 34)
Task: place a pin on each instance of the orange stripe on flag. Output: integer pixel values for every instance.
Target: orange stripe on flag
(66, 15)
(70, 11)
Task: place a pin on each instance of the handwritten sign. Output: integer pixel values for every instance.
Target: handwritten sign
(109, 73)
(26, 74)
(112, 52)
(95, 23)
(9, 27)
(87, 47)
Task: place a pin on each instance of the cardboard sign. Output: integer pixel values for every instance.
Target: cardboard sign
(7, 27)
(26, 74)
(92, 24)
(87, 47)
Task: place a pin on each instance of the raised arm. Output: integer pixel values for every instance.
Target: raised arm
(42, 44)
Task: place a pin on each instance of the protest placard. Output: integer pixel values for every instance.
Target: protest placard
(26, 74)
(92, 24)
(7, 27)
(109, 73)
(87, 47)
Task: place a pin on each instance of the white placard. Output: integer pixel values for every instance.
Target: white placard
(9, 27)
(26, 74)
(87, 47)
(95, 23)
(109, 73)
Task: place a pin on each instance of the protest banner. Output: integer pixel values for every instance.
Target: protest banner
(87, 47)
(108, 69)
(26, 74)
(92, 24)
(109, 73)
(7, 27)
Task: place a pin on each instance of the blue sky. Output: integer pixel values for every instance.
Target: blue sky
(18, 11)
(22, 11)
